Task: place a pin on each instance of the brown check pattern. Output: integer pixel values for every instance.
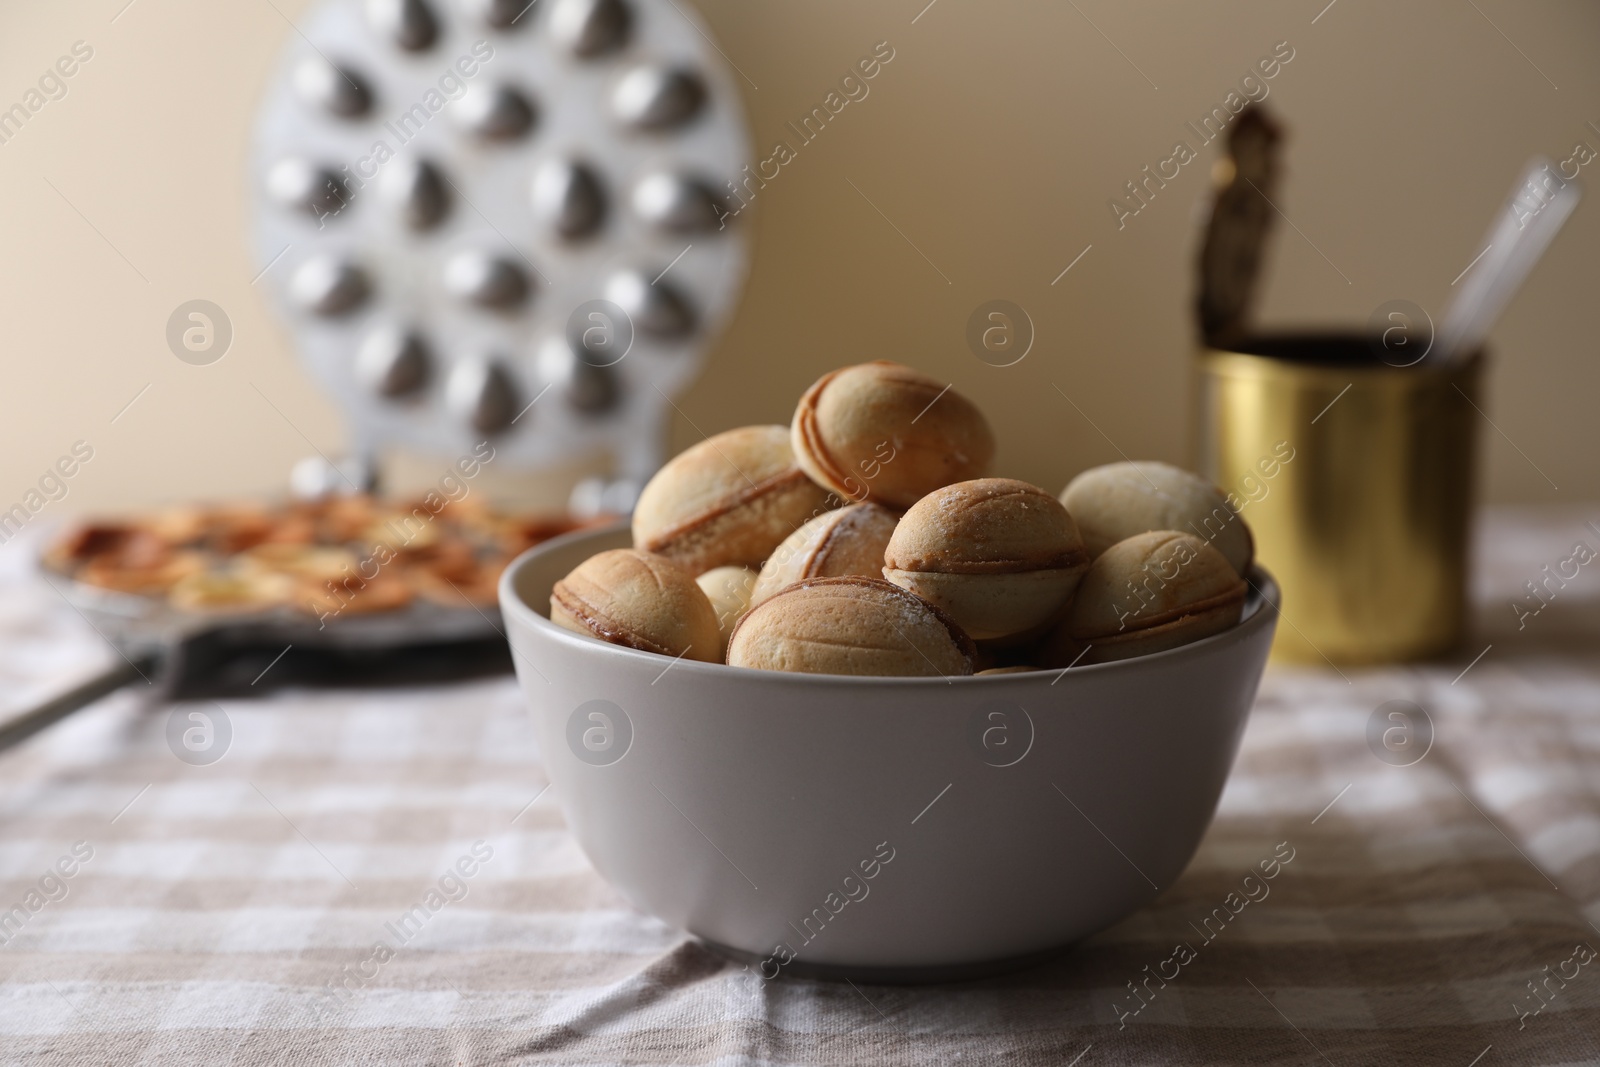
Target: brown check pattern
(1434, 913)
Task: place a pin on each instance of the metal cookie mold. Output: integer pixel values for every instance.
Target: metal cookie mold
(505, 219)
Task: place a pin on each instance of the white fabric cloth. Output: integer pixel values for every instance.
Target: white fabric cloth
(211, 909)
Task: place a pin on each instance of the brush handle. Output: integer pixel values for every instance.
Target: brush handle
(1514, 244)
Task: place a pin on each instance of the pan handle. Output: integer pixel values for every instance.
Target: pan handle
(123, 672)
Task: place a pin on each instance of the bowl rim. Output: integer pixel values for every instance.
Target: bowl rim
(1263, 594)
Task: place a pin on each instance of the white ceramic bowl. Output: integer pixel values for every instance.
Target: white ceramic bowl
(886, 828)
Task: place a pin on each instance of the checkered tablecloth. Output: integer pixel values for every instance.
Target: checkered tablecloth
(1443, 912)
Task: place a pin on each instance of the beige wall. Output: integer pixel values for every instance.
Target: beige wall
(993, 141)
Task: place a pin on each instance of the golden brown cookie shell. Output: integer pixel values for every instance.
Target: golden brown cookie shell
(853, 626)
(986, 526)
(640, 600)
(886, 433)
(1147, 593)
(729, 500)
(1113, 502)
(848, 541)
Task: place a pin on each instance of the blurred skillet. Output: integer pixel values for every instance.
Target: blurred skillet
(181, 654)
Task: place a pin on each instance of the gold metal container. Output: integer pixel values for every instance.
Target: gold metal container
(1356, 478)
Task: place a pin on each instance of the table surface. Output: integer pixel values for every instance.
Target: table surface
(1443, 912)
